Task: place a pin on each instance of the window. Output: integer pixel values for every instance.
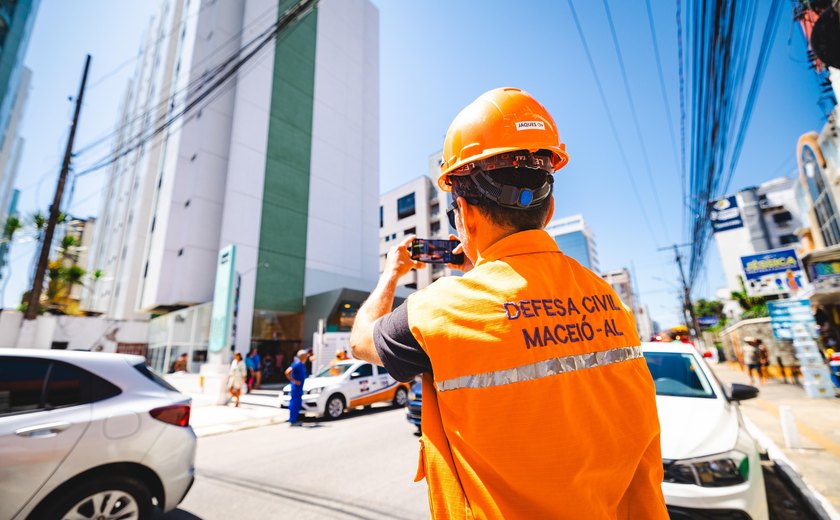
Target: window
(435, 226)
(783, 217)
(387, 238)
(677, 374)
(382, 371)
(405, 206)
(151, 376)
(410, 231)
(380, 216)
(365, 370)
(788, 239)
(435, 208)
(21, 384)
(65, 386)
(393, 236)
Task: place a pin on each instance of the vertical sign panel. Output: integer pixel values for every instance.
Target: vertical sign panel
(222, 315)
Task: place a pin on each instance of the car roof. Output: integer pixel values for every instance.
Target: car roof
(73, 356)
(673, 346)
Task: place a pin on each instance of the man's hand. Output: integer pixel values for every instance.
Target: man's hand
(399, 262)
(467, 265)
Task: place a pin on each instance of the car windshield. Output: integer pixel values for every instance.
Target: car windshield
(677, 374)
(335, 370)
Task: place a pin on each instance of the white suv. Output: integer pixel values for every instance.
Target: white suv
(90, 435)
(348, 384)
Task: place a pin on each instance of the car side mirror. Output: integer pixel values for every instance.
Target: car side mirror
(740, 392)
(355, 375)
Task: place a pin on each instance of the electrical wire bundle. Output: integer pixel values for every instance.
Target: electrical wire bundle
(719, 36)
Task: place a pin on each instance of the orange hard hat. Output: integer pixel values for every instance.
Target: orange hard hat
(499, 121)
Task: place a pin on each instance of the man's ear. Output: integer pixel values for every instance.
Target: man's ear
(550, 213)
(469, 214)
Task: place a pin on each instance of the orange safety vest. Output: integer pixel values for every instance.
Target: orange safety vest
(541, 405)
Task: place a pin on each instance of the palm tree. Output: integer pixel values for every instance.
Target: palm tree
(10, 228)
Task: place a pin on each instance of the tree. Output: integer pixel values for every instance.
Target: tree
(753, 306)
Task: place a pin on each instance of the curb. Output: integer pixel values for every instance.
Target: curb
(792, 479)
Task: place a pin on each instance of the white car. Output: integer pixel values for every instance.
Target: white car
(90, 435)
(712, 465)
(348, 384)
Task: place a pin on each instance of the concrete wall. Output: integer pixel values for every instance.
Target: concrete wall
(732, 339)
(80, 332)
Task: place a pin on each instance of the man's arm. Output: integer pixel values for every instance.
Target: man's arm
(380, 301)
(289, 376)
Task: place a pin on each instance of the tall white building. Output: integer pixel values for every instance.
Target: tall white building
(12, 143)
(282, 162)
(575, 239)
(757, 219)
(621, 280)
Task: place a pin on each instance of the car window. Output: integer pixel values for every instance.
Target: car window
(64, 387)
(365, 370)
(151, 376)
(22, 384)
(677, 374)
(382, 371)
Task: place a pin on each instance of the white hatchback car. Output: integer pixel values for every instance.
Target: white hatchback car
(712, 465)
(90, 435)
(348, 384)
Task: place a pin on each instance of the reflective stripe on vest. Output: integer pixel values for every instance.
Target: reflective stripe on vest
(540, 369)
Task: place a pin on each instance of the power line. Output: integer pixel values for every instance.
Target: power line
(290, 16)
(613, 128)
(633, 113)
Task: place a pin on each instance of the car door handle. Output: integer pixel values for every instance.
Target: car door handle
(43, 430)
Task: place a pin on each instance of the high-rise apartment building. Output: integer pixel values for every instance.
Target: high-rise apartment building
(575, 239)
(282, 162)
(757, 219)
(621, 280)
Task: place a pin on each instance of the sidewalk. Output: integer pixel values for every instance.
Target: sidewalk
(818, 424)
(259, 408)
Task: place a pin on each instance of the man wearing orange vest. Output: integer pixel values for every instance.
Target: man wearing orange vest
(537, 402)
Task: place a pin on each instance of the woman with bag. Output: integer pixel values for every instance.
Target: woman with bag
(236, 377)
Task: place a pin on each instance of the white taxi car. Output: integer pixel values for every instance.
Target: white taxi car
(712, 465)
(347, 384)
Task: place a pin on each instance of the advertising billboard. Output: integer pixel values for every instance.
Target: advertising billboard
(772, 272)
(726, 214)
(785, 313)
(825, 275)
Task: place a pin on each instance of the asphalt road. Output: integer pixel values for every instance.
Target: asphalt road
(359, 467)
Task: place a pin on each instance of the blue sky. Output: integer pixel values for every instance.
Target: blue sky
(437, 56)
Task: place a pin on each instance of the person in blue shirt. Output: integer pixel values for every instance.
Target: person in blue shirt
(256, 363)
(249, 379)
(296, 374)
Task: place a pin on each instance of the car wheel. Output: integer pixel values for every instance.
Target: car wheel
(400, 397)
(335, 406)
(109, 498)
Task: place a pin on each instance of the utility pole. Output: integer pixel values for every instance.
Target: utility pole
(38, 283)
(687, 304)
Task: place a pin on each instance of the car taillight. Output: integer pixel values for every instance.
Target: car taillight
(707, 354)
(177, 414)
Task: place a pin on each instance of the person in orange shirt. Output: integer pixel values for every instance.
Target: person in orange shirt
(537, 402)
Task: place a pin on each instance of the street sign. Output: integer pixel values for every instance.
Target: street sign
(785, 314)
(707, 321)
(772, 272)
(726, 215)
(221, 316)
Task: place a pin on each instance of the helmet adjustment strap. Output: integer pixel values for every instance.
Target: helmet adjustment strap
(508, 196)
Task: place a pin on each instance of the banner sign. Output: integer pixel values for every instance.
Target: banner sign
(825, 275)
(772, 272)
(726, 215)
(785, 313)
(222, 314)
(707, 321)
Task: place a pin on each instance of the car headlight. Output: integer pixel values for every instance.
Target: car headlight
(412, 396)
(313, 391)
(725, 469)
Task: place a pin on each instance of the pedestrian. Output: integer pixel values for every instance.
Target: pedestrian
(782, 367)
(296, 374)
(236, 377)
(533, 377)
(763, 359)
(751, 360)
(256, 363)
(180, 364)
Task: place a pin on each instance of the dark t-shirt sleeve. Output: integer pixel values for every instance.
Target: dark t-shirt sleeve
(399, 351)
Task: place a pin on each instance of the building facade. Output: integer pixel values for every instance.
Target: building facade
(575, 239)
(757, 219)
(621, 280)
(281, 162)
